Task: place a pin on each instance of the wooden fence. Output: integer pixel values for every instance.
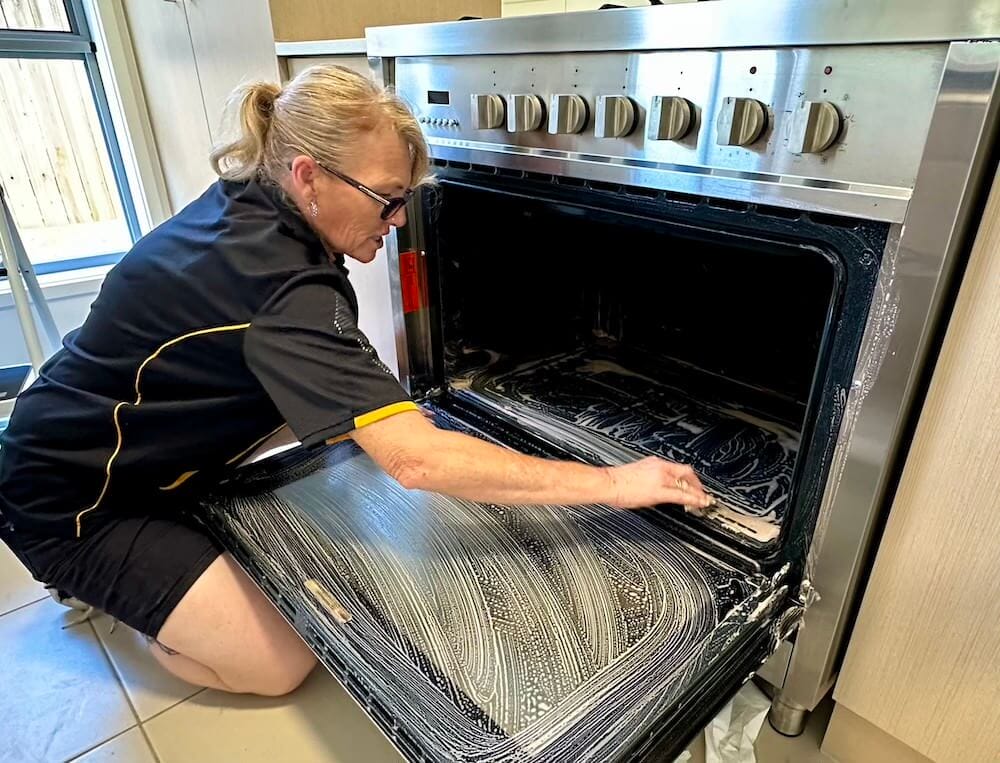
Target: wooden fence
(54, 162)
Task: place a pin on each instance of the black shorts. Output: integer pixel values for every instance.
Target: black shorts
(137, 569)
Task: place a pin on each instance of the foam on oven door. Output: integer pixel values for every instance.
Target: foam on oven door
(478, 632)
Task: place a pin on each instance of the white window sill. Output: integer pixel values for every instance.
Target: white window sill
(60, 285)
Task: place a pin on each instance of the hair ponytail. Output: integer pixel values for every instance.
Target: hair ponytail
(320, 113)
(242, 158)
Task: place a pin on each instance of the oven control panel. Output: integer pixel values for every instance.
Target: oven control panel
(810, 113)
(740, 122)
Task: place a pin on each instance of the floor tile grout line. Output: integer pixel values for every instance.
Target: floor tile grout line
(158, 713)
(117, 674)
(102, 743)
(149, 742)
(128, 698)
(121, 678)
(43, 597)
(121, 682)
(145, 731)
(135, 712)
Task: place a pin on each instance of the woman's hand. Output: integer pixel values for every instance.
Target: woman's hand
(654, 480)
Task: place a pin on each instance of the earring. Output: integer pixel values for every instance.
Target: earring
(313, 208)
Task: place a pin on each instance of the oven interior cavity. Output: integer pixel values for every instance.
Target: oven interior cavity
(614, 335)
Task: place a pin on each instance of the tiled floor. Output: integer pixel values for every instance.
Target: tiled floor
(83, 692)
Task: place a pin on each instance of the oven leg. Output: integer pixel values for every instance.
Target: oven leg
(787, 718)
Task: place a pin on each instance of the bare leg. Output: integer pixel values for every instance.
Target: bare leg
(229, 636)
(187, 669)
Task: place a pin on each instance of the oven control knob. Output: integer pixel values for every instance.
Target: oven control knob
(669, 118)
(815, 127)
(487, 111)
(740, 122)
(615, 116)
(525, 113)
(567, 114)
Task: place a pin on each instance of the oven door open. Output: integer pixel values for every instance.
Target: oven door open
(603, 324)
(480, 632)
(473, 631)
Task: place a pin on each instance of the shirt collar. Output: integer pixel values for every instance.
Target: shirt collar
(290, 220)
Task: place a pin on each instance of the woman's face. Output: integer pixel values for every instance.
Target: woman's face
(346, 218)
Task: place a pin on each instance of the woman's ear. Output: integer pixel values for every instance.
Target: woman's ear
(303, 171)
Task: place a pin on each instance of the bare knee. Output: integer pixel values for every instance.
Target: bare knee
(259, 673)
(278, 680)
(225, 624)
(262, 671)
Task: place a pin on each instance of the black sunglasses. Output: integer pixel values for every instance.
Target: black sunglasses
(390, 204)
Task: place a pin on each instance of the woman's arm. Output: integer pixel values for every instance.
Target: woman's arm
(420, 456)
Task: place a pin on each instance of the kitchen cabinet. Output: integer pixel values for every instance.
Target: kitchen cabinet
(531, 7)
(322, 19)
(190, 55)
(923, 666)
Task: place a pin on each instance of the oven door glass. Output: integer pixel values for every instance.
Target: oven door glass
(471, 631)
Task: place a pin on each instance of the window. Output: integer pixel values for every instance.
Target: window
(48, 15)
(60, 164)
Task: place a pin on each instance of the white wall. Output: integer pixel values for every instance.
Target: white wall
(69, 301)
(190, 56)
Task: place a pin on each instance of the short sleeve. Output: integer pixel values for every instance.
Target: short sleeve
(322, 374)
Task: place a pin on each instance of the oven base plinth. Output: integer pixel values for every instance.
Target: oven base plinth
(787, 718)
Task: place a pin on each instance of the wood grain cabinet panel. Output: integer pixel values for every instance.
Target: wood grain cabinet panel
(924, 660)
(296, 20)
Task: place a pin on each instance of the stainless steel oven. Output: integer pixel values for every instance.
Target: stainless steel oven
(722, 233)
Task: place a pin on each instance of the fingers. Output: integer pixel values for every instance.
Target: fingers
(692, 503)
(688, 490)
(695, 494)
(655, 481)
(686, 473)
(686, 479)
(699, 511)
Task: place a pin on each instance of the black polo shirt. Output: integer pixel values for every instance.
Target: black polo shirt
(217, 328)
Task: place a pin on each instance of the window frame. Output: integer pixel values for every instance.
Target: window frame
(79, 44)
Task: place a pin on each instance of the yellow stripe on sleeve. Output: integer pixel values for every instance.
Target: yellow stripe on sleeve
(383, 413)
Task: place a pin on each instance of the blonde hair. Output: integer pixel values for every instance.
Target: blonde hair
(319, 114)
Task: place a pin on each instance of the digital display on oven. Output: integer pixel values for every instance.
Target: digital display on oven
(438, 97)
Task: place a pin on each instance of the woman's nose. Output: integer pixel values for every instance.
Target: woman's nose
(398, 220)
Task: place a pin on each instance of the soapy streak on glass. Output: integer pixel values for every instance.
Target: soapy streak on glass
(495, 633)
(608, 413)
